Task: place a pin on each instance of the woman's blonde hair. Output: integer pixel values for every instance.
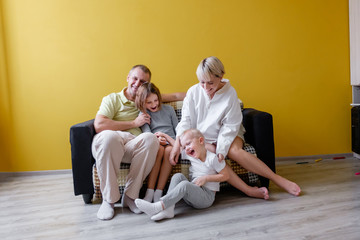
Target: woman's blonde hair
(210, 66)
(143, 93)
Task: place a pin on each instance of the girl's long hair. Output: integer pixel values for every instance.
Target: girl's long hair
(143, 93)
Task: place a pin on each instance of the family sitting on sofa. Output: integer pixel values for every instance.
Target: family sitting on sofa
(130, 124)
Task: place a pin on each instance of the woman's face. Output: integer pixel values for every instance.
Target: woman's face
(211, 85)
(152, 103)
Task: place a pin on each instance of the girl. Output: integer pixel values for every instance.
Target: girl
(212, 106)
(163, 124)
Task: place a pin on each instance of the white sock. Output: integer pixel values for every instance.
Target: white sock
(128, 202)
(149, 195)
(167, 213)
(148, 208)
(106, 211)
(157, 195)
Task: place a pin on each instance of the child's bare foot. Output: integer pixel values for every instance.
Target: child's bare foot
(288, 186)
(258, 192)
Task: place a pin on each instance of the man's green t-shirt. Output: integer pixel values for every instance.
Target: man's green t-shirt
(118, 108)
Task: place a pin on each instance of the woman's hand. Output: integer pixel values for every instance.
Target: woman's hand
(221, 157)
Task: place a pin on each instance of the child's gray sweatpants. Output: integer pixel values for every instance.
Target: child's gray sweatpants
(193, 195)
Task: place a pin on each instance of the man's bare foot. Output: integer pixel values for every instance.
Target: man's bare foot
(258, 192)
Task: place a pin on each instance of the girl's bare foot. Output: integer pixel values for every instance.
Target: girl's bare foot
(258, 192)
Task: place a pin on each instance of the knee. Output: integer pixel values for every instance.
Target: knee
(108, 139)
(149, 140)
(168, 149)
(236, 152)
(178, 177)
(236, 147)
(161, 149)
(184, 186)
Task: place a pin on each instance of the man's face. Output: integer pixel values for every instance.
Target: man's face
(135, 79)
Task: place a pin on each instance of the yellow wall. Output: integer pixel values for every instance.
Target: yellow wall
(6, 133)
(290, 58)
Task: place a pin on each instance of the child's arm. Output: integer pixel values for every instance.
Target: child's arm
(146, 126)
(222, 176)
(170, 140)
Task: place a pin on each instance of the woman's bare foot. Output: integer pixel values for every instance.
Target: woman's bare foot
(258, 192)
(293, 188)
(287, 185)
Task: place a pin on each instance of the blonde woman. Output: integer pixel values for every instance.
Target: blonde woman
(212, 106)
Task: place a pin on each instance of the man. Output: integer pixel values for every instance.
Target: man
(119, 139)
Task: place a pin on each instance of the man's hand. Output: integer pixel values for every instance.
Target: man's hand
(142, 119)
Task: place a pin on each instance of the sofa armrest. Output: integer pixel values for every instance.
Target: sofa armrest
(259, 133)
(81, 136)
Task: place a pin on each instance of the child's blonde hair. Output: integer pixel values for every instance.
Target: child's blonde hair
(195, 133)
(143, 93)
(210, 66)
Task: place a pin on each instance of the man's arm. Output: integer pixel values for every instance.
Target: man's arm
(172, 97)
(102, 123)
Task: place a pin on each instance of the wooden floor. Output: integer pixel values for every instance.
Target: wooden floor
(44, 207)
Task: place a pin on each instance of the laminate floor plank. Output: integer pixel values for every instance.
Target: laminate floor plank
(44, 207)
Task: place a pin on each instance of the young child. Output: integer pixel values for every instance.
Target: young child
(206, 172)
(163, 124)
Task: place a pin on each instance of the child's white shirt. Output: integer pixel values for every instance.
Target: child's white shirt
(211, 166)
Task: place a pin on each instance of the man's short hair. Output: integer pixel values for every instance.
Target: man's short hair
(144, 68)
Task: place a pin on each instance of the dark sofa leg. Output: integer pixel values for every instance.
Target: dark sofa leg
(87, 198)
